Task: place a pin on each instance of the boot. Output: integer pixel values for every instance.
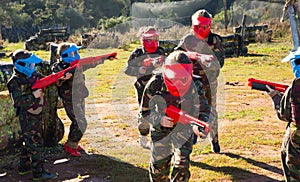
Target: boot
(72, 151)
(24, 170)
(215, 147)
(144, 142)
(44, 176)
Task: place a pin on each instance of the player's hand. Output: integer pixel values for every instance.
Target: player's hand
(198, 132)
(206, 60)
(38, 93)
(142, 70)
(167, 122)
(67, 76)
(272, 92)
(157, 62)
(147, 62)
(275, 96)
(281, 20)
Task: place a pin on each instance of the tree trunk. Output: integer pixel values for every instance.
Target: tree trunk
(225, 14)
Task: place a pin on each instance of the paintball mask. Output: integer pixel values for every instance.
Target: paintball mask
(178, 77)
(150, 41)
(71, 54)
(296, 66)
(294, 59)
(27, 65)
(201, 27)
(201, 22)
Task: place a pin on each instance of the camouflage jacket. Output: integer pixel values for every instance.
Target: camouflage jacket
(75, 85)
(210, 47)
(287, 105)
(136, 59)
(19, 87)
(156, 99)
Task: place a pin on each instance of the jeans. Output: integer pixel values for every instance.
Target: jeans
(294, 28)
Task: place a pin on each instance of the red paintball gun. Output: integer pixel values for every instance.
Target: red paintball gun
(151, 61)
(261, 85)
(205, 59)
(50, 79)
(180, 116)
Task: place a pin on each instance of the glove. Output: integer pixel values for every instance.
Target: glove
(167, 122)
(198, 133)
(275, 96)
(147, 62)
(206, 60)
(142, 70)
(157, 62)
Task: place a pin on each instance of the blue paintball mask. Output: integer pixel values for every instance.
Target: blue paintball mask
(294, 59)
(71, 54)
(296, 66)
(27, 65)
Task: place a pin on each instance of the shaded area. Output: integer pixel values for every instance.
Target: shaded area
(88, 167)
(262, 165)
(240, 174)
(255, 55)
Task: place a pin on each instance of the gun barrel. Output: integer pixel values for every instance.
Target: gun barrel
(50, 79)
(261, 85)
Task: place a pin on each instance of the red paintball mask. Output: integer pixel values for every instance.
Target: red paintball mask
(201, 27)
(150, 41)
(178, 78)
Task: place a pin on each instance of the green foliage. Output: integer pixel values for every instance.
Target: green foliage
(76, 14)
(108, 23)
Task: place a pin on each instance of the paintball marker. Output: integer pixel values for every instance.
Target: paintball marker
(261, 85)
(50, 79)
(152, 61)
(205, 59)
(180, 116)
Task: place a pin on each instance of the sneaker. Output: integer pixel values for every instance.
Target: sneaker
(215, 147)
(143, 140)
(79, 148)
(23, 171)
(45, 176)
(72, 151)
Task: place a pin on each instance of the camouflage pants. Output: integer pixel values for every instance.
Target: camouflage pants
(143, 126)
(211, 94)
(290, 154)
(76, 112)
(167, 145)
(31, 150)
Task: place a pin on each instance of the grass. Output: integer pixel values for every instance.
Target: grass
(250, 133)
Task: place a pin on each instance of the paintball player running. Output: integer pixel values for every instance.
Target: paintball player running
(200, 38)
(29, 107)
(141, 63)
(176, 87)
(73, 91)
(287, 107)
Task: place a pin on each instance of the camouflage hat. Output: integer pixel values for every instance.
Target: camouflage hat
(20, 54)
